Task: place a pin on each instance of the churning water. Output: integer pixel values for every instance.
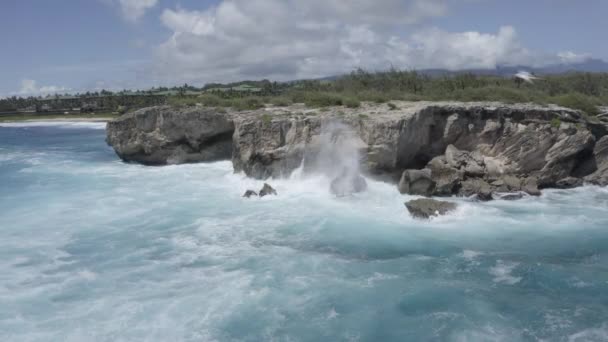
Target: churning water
(92, 249)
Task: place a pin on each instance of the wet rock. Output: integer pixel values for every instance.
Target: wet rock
(569, 183)
(476, 187)
(530, 186)
(447, 179)
(267, 190)
(250, 193)
(417, 182)
(424, 208)
(347, 184)
(511, 196)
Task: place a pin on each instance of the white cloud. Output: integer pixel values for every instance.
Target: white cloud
(288, 39)
(571, 57)
(132, 10)
(31, 88)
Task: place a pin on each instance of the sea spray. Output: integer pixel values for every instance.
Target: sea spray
(336, 154)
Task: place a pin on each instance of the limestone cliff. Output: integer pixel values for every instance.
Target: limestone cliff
(547, 143)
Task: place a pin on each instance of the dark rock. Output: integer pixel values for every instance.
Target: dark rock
(417, 182)
(530, 186)
(447, 179)
(425, 207)
(600, 158)
(250, 193)
(267, 190)
(476, 187)
(568, 183)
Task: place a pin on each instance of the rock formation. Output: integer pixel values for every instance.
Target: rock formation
(250, 193)
(424, 208)
(348, 183)
(167, 135)
(471, 149)
(267, 190)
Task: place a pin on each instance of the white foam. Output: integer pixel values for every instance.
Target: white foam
(502, 272)
(590, 335)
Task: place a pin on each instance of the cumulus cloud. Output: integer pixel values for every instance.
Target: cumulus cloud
(31, 88)
(132, 10)
(287, 39)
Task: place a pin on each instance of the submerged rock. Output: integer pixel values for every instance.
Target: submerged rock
(510, 196)
(250, 193)
(267, 190)
(425, 207)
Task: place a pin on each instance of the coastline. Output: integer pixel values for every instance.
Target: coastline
(57, 120)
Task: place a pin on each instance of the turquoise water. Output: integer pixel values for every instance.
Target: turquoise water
(92, 249)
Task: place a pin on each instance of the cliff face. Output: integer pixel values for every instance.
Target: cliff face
(165, 135)
(494, 140)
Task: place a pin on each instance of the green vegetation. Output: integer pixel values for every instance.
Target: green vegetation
(556, 122)
(266, 118)
(582, 91)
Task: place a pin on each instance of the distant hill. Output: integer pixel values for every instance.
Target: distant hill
(589, 65)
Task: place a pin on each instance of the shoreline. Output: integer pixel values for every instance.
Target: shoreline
(58, 120)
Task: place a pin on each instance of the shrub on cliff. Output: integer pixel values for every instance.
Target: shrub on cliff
(578, 101)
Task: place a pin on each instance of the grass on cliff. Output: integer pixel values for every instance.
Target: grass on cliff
(581, 91)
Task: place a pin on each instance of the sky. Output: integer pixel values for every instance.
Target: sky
(86, 45)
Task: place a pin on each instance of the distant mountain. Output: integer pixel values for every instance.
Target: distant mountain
(589, 65)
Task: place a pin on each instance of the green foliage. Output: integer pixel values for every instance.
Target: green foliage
(352, 102)
(556, 122)
(281, 101)
(578, 101)
(582, 91)
(318, 99)
(392, 106)
(249, 103)
(266, 118)
(363, 116)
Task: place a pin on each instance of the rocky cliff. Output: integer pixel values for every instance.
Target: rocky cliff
(465, 148)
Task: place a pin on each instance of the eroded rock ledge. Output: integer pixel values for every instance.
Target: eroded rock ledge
(461, 148)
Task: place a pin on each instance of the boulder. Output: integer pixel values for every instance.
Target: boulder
(267, 190)
(417, 182)
(476, 187)
(250, 193)
(347, 184)
(530, 186)
(447, 179)
(424, 208)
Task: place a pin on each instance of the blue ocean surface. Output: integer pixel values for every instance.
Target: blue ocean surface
(94, 249)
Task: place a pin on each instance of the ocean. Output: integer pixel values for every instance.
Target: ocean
(94, 249)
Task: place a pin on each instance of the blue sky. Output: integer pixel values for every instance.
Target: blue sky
(78, 45)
